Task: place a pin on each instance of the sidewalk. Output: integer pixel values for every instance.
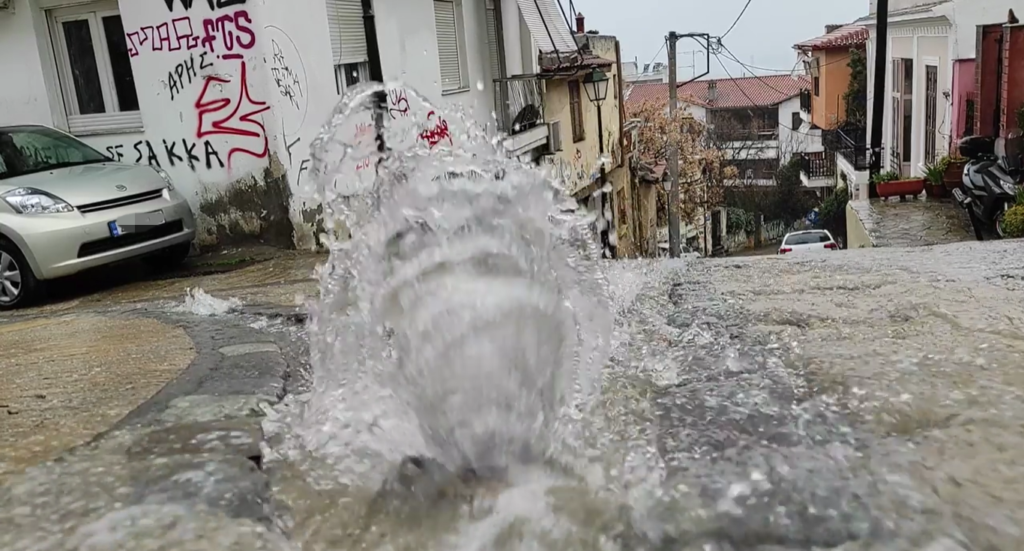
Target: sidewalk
(109, 341)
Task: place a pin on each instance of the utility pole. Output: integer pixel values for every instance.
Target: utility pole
(673, 152)
(878, 106)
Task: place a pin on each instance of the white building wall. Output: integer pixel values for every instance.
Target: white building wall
(224, 143)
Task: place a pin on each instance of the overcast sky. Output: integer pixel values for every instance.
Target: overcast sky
(764, 36)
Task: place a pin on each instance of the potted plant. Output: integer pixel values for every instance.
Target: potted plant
(934, 176)
(889, 184)
(954, 170)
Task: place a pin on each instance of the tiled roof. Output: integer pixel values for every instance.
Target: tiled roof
(848, 36)
(732, 93)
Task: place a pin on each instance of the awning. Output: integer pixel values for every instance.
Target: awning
(547, 25)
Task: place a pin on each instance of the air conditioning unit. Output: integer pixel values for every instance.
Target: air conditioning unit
(7, 6)
(554, 136)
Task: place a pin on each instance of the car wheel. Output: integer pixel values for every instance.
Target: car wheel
(171, 257)
(18, 285)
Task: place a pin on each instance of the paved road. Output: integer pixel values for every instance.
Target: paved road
(868, 399)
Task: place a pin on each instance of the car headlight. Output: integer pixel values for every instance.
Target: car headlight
(163, 174)
(27, 200)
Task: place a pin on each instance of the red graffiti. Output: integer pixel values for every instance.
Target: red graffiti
(228, 32)
(232, 118)
(398, 103)
(364, 131)
(438, 133)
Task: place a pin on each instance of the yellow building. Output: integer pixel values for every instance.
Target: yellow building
(586, 143)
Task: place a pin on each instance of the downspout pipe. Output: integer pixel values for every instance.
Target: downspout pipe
(376, 72)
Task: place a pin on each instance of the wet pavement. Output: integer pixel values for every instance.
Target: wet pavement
(113, 344)
(914, 223)
(866, 399)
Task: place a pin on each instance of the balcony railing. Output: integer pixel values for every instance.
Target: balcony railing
(818, 165)
(517, 103)
(851, 144)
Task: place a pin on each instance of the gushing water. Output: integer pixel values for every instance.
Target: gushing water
(463, 314)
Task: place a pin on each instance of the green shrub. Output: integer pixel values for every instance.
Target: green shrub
(1013, 223)
(887, 176)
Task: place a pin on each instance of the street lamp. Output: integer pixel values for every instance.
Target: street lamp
(596, 84)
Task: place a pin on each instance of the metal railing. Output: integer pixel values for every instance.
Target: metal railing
(851, 144)
(818, 165)
(517, 103)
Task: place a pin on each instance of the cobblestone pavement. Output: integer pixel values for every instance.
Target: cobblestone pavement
(914, 223)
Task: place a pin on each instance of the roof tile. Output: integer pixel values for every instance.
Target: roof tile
(732, 93)
(848, 36)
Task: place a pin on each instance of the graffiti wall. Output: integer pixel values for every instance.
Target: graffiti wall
(209, 88)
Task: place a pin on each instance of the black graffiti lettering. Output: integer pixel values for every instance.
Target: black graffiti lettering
(115, 152)
(303, 167)
(214, 4)
(203, 64)
(211, 154)
(172, 155)
(221, 4)
(152, 159)
(288, 147)
(138, 152)
(183, 73)
(190, 153)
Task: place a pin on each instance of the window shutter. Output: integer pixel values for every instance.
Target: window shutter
(447, 44)
(492, 43)
(348, 36)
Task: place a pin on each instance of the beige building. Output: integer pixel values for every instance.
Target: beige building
(586, 143)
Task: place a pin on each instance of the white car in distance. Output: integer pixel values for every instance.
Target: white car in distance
(806, 241)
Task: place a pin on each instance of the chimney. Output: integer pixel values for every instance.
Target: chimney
(580, 26)
(712, 91)
(831, 28)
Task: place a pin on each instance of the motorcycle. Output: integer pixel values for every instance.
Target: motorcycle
(992, 178)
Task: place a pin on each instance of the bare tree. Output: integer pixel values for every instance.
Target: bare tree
(703, 169)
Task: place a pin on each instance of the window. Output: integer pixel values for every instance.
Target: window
(798, 121)
(348, 75)
(94, 69)
(451, 45)
(817, 87)
(808, 238)
(348, 43)
(29, 149)
(930, 112)
(576, 111)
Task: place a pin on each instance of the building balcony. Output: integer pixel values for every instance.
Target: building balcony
(818, 169)
(517, 103)
(520, 114)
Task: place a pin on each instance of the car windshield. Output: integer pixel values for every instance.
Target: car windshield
(808, 238)
(29, 149)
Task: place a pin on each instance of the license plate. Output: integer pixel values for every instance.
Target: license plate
(134, 223)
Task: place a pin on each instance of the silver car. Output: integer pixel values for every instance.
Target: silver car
(66, 207)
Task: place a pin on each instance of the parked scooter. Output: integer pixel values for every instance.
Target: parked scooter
(992, 178)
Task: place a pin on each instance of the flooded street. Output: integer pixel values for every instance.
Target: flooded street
(466, 373)
(864, 399)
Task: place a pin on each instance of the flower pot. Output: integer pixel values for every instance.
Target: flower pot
(954, 176)
(900, 188)
(935, 191)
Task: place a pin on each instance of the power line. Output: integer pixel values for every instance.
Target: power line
(738, 17)
(752, 67)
